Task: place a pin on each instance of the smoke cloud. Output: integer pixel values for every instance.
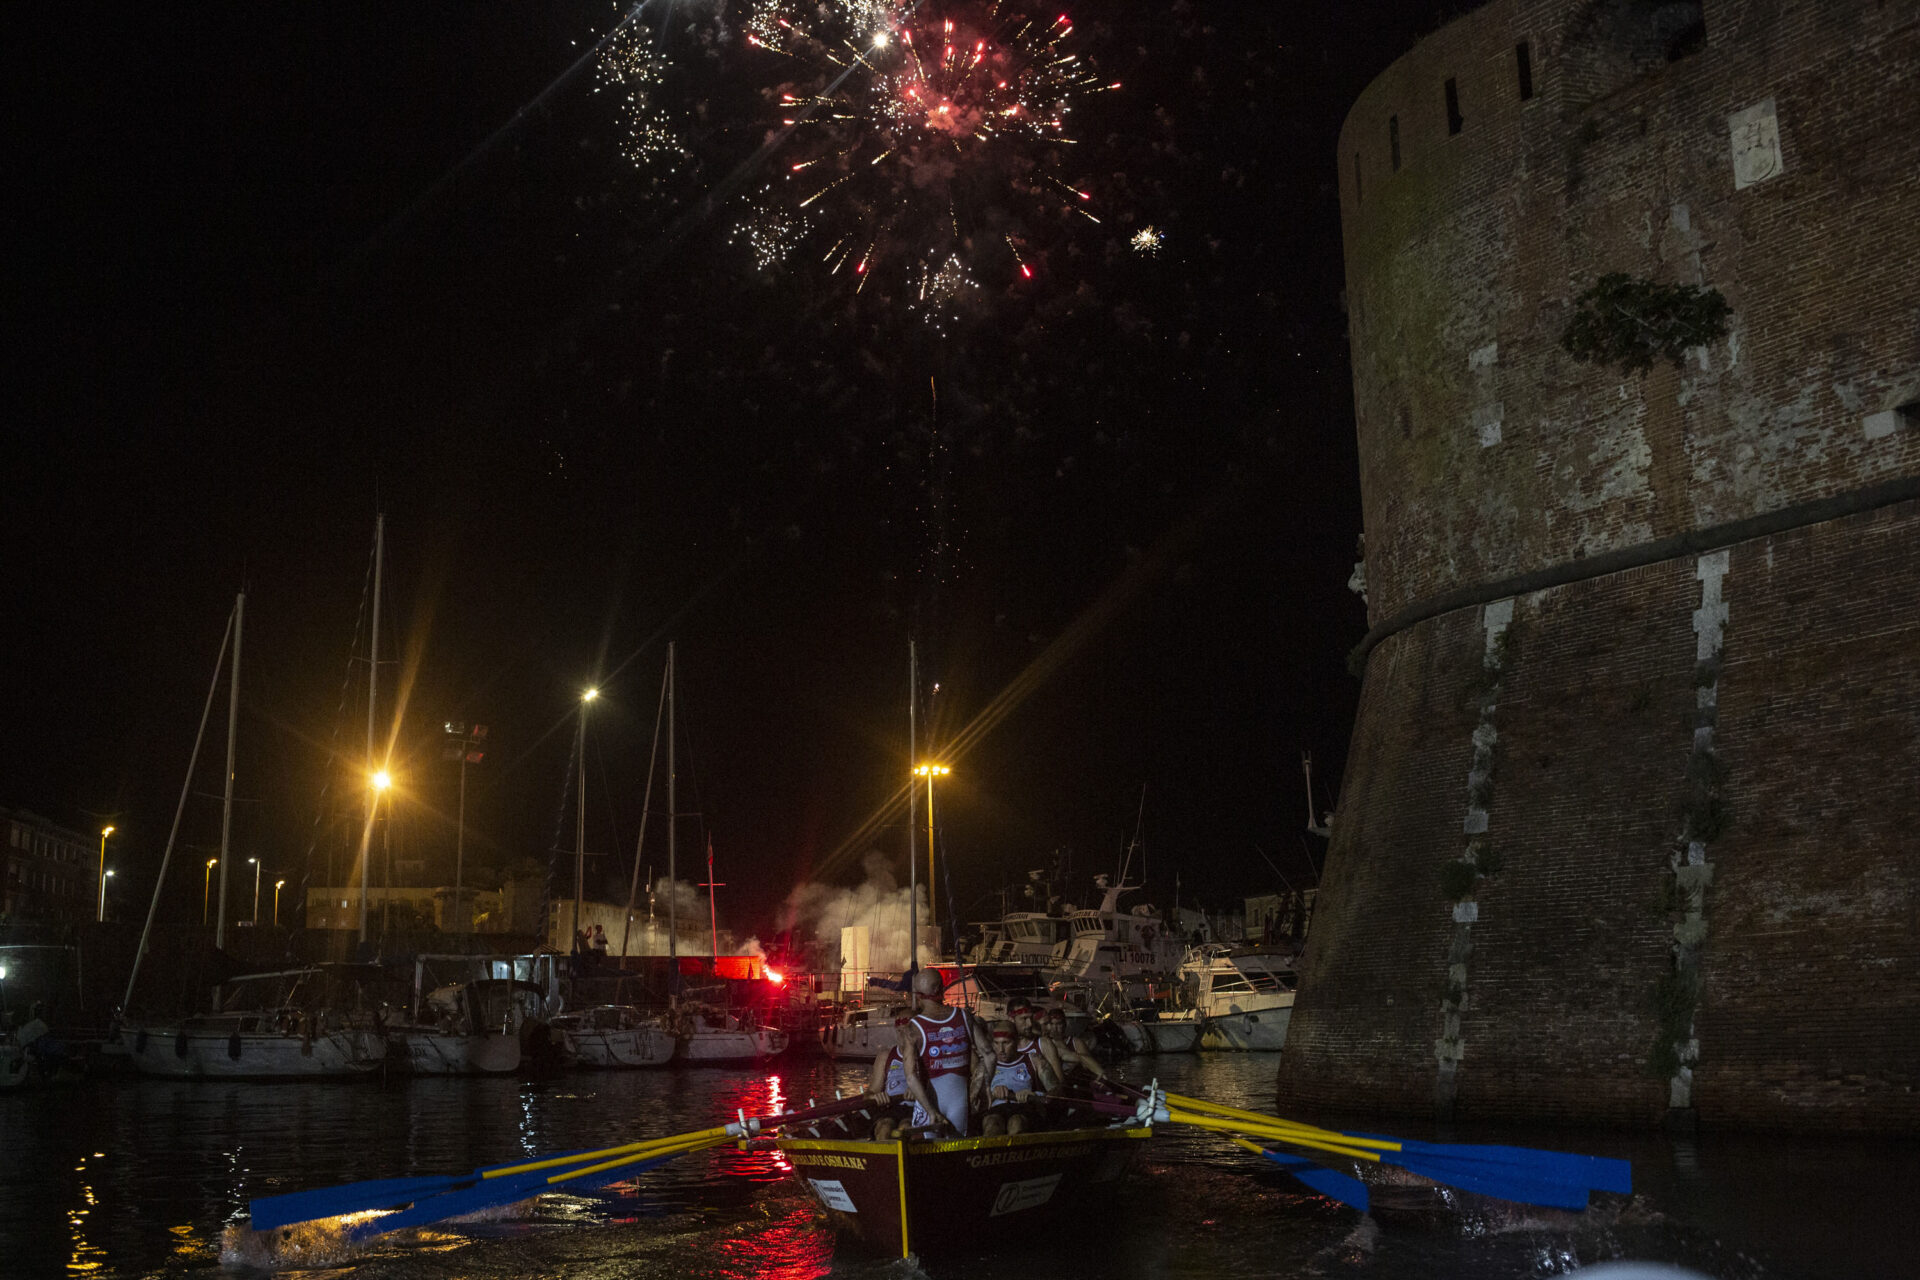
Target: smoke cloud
(879, 902)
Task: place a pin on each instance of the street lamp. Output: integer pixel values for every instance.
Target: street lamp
(104, 833)
(930, 771)
(276, 902)
(580, 818)
(206, 890)
(256, 891)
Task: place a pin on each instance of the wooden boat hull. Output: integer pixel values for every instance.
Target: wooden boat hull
(921, 1197)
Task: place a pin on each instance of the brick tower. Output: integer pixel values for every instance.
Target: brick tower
(1630, 829)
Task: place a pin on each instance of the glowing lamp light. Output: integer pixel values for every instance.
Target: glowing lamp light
(589, 695)
(776, 977)
(382, 780)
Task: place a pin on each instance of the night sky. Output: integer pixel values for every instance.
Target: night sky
(279, 269)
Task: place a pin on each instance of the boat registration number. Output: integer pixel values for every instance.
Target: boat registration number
(1015, 1196)
(833, 1194)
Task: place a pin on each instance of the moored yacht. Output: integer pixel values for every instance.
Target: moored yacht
(862, 1033)
(1244, 995)
(613, 1035)
(711, 1037)
(296, 1024)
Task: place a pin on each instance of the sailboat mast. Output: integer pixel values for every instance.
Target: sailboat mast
(913, 751)
(373, 692)
(713, 911)
(186, 788)
(673, 875)
(226, 812)
(640, 845)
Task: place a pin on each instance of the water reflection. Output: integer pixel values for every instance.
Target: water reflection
(95, 1174)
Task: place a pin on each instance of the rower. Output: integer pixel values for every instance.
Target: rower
(1072, 1051)
(940, 1050)
(1030, 1040)
(887, 1084)
(1014, 1088)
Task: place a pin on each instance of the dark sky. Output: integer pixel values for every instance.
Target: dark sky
(276, 269)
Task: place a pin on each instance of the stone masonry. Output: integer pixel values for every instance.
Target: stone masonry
(1687, 884)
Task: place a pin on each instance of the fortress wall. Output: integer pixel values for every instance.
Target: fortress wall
(1559, 742)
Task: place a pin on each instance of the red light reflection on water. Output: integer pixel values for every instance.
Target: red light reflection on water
(789, 1247)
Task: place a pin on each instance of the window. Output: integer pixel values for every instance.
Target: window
(1453, 108)
(1523, 63)
(1393, 140)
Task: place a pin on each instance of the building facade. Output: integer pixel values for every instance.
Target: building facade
(1627, 832)
(52, 872)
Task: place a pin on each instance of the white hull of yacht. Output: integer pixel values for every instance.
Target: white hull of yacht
(724, 1048)
(427, 1052)
(253, 1055)
(858, 1042)
(630, 1047)
(1260, 1030)
(1171, 1035)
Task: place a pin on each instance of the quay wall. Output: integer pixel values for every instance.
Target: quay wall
(1628, 828)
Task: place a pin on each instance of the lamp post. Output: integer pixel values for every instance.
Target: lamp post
(930, 771)
(580, 818)
(381, 782)
(256, 891)
(206, 890)
(104, 833)
(276, 902)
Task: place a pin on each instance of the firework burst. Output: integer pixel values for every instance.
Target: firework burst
(913, 139)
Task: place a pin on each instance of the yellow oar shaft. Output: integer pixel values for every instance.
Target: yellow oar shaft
(680, 1148)
(631, 1148)
(1221, 1125)
(1272, 1122)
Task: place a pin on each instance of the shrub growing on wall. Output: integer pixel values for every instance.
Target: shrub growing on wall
(1629, 322)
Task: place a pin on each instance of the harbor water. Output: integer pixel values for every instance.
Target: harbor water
(134, 1178)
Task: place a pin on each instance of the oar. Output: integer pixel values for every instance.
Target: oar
(518, 1187)
(1335, 1186)
(269, 1212)
(1599, 1173)
(1522, 1174)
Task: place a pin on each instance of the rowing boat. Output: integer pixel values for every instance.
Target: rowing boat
(931, 1196)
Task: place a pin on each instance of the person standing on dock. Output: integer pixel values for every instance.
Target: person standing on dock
(940, 1049)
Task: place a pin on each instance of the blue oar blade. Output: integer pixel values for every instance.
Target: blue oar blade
(1487, 1180)
(1597, 1173)
(494, 1193)
(1335, 1186)
(269, 1212)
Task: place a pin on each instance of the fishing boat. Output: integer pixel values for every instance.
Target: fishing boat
(613, 1035)
(861, 1034)
(1244, 995)
(926, 1196)
(296, 1024)
(709, 1037)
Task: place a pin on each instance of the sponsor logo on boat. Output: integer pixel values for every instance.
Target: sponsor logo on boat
(832, 1194)
(833, 1161)
(1015, 1196)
